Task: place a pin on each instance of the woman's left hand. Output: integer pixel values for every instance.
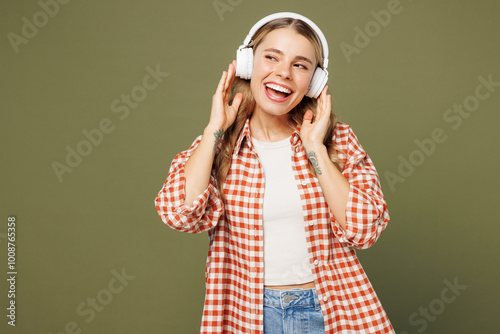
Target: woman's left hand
(313, 134)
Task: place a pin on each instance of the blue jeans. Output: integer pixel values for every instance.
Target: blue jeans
(295, 311)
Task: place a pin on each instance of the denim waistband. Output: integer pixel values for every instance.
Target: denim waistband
(290, 298)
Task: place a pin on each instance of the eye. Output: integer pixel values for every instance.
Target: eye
(301, 66)
(270, 57)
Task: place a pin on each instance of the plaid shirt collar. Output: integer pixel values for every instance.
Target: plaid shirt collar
(246, 136)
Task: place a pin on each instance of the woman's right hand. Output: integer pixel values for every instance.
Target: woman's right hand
(198, 167)
(223, 114)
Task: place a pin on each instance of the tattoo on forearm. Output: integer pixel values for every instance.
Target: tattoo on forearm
(218, 137)
(314, 161)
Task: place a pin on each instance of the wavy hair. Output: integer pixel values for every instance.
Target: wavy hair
(247, 106)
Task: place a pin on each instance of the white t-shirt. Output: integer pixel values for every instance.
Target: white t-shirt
(286, 259)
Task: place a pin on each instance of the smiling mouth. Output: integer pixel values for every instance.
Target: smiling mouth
(276, 92)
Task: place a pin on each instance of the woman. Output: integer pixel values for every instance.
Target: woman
(285, 192)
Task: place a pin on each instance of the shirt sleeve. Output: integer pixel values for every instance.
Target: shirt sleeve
(366, 211)
(205, 211)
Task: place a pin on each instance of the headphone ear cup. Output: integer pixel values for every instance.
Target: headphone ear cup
(318, 82)
(244, 62)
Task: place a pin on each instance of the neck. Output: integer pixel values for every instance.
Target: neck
(270, 128)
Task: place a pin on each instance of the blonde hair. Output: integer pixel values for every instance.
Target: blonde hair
(295, 116)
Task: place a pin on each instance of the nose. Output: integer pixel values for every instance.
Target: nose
(283, 71)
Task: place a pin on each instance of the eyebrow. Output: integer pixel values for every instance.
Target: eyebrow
(296, 57)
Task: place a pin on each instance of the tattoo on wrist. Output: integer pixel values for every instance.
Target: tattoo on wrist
(218, 138)
(314, 162)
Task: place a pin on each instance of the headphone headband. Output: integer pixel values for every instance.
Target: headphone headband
(282, 15)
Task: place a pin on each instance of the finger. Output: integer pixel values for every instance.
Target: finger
(308, 116)
(224, 88)
(237, 101)
(328, 104)
(324, 91)
(320, 104)
(230, 77)
(327, 107)
(233, 76)
(222, 80)
(323, 100)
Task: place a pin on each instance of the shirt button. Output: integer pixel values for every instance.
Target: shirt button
(325, 298)
(297, 149)
(304, 183)
(311, 223)
(316, 262)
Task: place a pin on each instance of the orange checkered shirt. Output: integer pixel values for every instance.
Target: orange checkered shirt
(234, 273)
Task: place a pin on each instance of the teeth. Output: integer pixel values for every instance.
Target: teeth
(278, 88)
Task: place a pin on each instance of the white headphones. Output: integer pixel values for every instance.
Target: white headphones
(244, 54)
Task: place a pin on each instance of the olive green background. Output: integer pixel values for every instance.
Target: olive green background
(72, 234)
